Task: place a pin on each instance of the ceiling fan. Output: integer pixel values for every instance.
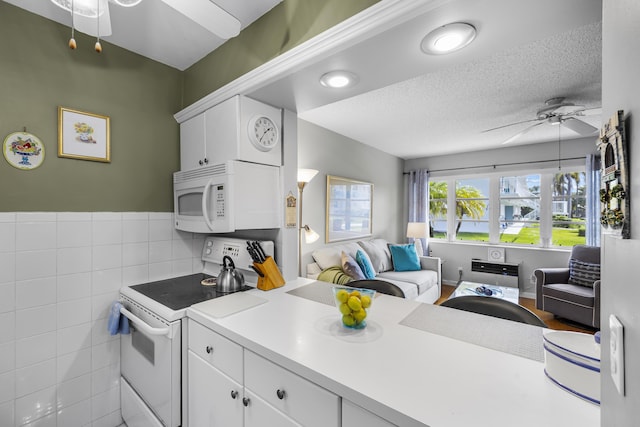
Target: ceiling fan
(557, 112)
(92, 16)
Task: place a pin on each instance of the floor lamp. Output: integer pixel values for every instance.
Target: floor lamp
(418, 231)
(310, 236)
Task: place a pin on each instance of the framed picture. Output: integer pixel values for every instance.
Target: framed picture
(83, 135)
(349, 205)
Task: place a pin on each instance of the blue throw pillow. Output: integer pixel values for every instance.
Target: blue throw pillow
(365, 265)
(404, 257)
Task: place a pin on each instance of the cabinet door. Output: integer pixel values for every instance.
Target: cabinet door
(221, 131)
(355, 416)
(192, 142)
(259, 413)
(211, 402)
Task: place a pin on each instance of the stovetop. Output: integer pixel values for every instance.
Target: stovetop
(178, 293)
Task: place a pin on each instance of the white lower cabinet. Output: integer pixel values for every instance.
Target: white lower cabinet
(214, 398)
(355, 416)
(260, 394)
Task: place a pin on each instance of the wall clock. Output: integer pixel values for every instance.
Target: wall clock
(263, 133)
(496, 254)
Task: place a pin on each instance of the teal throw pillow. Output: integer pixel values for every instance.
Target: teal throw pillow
(404, 257)
(365, 265)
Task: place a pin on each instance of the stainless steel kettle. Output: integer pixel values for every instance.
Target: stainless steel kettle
(229, 279)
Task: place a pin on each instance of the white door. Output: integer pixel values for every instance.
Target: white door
(214, 398)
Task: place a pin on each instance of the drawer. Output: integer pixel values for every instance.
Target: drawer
(219, 351)
(355, 416)
(300, 399)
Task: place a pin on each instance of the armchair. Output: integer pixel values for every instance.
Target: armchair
(572, 292)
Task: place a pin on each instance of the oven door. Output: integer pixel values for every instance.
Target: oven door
(150, 362)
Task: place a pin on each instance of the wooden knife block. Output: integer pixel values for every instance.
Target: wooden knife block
(272, 276)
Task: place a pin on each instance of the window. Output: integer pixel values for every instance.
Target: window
(438, 209)
(472, 209)
(568, 209)
(541, 208)
(520, 209)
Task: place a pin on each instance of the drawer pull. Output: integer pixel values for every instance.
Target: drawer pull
(209, 349)
(280, 393)
(234, 394)
(246, 401)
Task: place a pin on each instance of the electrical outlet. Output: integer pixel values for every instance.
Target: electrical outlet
(616, 347)
(460, 270)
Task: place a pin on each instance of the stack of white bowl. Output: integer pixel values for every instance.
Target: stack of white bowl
(572, 361)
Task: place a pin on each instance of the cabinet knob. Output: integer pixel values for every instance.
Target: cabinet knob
(280, 393)
(200, 162)
(206, 161)
(246, 401)
(234, 394)
(209, 349)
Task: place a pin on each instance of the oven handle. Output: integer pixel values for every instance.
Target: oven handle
(143, 325)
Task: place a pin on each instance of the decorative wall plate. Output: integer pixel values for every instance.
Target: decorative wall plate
(23, 150)
(496, 254)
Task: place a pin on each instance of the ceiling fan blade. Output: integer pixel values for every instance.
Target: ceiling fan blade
(90, 25)
(209, 15)
(519, 134)
(579, 127)
(510, 124)
(590, 112)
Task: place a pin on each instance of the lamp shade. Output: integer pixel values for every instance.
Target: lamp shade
(306, 175)
(417, 230)
(310, 236)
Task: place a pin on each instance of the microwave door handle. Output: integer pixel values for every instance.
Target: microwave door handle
(205, 194)
(144, 327)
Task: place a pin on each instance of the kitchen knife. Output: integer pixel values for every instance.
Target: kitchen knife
(260, 273)
(261, 251)
(252, 253)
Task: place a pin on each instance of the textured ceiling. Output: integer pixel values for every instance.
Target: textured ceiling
(446, 111)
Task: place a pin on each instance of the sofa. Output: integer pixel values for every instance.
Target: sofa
(423, 285)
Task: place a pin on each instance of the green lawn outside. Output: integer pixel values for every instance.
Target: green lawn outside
(526, 236)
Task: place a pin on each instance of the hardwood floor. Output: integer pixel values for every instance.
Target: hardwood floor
(549, 319)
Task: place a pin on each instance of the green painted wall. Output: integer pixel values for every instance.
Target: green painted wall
(38, 73)
(287, 25)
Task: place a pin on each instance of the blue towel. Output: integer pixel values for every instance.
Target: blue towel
(117, 324)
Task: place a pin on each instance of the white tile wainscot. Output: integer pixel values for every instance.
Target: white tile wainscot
(59, 274)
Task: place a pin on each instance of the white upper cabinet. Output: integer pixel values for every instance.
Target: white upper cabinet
(239, 128)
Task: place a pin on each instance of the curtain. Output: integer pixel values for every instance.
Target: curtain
(419, 200)
(592, 220)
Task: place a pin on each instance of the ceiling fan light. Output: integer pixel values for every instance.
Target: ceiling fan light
(448, 38)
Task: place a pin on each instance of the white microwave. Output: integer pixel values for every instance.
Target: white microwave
(230, 196)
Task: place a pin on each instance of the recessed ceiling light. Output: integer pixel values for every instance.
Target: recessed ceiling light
(448, 38)
(338, 79)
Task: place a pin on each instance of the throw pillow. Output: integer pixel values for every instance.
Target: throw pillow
(365, 264)
(334, 275)
(376, 255)
(404, 257)
(583, 273)
(351, 267)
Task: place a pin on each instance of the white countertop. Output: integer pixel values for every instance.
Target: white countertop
(405, 375)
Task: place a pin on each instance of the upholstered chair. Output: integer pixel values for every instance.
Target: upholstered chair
(572, 292)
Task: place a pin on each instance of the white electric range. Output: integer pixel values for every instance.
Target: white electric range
(151, 355)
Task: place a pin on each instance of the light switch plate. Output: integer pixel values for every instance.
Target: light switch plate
(616, 346)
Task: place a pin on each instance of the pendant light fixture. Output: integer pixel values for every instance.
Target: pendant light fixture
(72, 40)
(98, 46)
